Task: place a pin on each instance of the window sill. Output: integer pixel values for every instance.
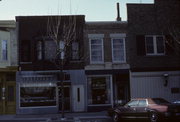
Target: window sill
(122, 62)
(155, 55)
(25, 62)
(76, 61)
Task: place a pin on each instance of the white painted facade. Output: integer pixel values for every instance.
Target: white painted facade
(8, 34)
(151, 84)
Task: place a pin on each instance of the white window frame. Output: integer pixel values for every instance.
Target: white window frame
(155, 45)
(99, 37)
(118, 36)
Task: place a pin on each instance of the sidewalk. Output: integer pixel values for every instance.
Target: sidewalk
(69, 117)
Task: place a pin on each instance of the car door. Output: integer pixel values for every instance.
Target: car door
(141, 109)
(130, 109)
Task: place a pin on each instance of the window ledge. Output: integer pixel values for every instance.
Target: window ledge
(76, 61)
(25, 62)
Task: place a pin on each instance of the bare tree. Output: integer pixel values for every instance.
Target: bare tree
(62, 31)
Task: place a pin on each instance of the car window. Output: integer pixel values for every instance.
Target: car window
(132, 103)
(142, 103)
(160, 101)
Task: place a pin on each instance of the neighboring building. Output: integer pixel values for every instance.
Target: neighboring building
(153, 53)
(38, 80)
(8, 67)
(106, 65)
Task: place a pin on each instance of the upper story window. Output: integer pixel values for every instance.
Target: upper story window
(75, 50)
(155, 45)
(39, 50)
(50, 49)
(62, 49)
(4, 50)
(96, 48)
(118, 47)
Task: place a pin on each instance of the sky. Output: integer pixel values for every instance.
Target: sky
(94, 10)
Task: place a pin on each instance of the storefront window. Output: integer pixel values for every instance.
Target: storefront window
(99, 90)
(37, 96)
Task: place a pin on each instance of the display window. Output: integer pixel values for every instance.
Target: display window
(37, 96)
(99, 90)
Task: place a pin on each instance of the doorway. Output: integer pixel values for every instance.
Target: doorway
(66, 98)
(7, 97)
(78, 98)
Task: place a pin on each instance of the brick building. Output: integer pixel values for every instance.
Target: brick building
(153, 52)
(106, 66)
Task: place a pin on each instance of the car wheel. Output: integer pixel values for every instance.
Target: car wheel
(115, 117)
(153, 117)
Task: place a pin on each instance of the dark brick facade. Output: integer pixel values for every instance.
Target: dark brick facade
(31, 29)
(153, 19)
(105, 28)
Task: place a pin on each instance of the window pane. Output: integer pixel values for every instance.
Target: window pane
(149, 45)
(98, 89)
(50, 50)
(133, 103)
(4, 49)
(160, 44)
(75, 50)
(142, 103)
(118, 50)
(37, 96)
(39, 50)
(96, 50)
(96, 41)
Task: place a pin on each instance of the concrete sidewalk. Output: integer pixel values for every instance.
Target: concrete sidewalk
(69, 117)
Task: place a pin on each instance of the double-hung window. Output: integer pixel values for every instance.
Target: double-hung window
(96, 50)
(39, 50)
(155, 45)
(75, 50)
(118, 48)
(4, 50)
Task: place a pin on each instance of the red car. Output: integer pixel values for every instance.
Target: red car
(153, 109)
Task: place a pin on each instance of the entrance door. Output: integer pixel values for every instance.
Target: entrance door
(66, 98)
(8, 97)
(78, 98)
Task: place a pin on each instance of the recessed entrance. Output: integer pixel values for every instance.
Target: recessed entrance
(7, 96)
(66, 98)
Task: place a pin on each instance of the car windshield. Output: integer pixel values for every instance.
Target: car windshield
(160, 101)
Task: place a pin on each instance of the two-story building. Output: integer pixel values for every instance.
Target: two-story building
(8, 66)
(42, 63)
(106, 64)
(153, 49)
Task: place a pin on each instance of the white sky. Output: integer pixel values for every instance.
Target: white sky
(94, 10)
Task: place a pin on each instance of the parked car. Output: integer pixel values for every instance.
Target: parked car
(176, 102)
(152, 109)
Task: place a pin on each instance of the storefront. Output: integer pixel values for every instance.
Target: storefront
(41, 92)
(99, 92)
(106, 88)
(8, 90)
